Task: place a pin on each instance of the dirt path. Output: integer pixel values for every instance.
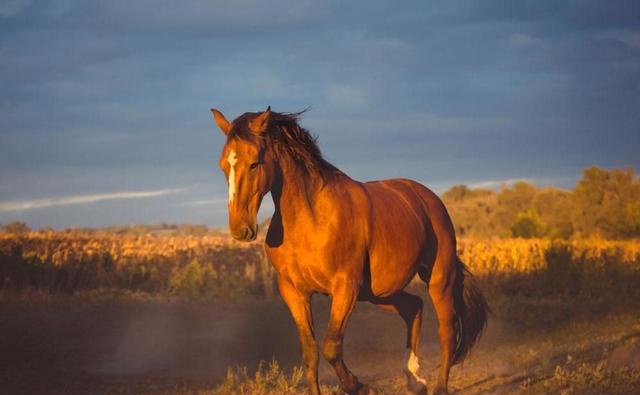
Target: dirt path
(595, 358)
(68, 347)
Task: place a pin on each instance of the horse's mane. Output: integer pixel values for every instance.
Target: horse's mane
(288, 138)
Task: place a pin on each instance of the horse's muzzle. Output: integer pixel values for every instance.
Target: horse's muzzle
(245, 233)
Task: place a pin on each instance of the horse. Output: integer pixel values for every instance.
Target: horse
(350, 240)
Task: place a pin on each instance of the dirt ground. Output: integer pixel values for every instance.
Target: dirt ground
(85, 346)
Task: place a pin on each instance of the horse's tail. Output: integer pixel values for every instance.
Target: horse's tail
(471, 312)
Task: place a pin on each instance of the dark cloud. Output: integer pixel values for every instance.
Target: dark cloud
(101, 97)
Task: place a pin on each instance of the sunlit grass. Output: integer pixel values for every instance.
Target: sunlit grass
(214, 267)
(268, 379)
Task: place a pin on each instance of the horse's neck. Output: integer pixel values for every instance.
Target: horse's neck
(297, 194)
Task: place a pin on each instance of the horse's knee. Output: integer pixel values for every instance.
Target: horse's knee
(332, 350)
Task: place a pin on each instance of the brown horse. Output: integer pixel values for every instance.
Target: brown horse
(353, 241)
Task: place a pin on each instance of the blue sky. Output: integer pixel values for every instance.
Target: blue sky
(104, 106)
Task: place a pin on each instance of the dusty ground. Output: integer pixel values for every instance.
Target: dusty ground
(82, 346)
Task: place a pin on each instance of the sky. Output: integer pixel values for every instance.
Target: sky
(104, 105)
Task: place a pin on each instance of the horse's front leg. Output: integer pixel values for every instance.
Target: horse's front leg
(299, 305)
(343, 300)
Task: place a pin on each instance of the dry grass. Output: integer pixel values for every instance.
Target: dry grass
(189, 266)
(500, 256)
(218, 267)
(269, 379)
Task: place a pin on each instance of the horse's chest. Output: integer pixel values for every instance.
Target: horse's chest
(306, 269)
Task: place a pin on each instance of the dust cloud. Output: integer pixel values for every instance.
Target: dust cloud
(140, 347)
(65, 347)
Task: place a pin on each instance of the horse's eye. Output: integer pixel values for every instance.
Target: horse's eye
(253, 165)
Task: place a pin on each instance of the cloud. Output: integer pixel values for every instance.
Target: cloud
(9, 8)
(205, 202)
(498, 183)
(110, 97)
(81, 199)
(555, 181)
(192, 15)
(216, 206)
(524, 40)
(443, 186)
(415, 124)
(345, 97)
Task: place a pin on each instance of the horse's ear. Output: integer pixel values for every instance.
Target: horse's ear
(259, 124)
(222, 122)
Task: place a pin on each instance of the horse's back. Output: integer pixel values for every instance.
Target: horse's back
(407, 222)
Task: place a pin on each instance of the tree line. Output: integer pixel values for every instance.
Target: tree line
(604, 203)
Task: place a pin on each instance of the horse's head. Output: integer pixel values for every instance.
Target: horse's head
(249, 167)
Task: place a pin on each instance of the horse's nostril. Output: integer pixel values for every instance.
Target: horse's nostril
(244, 233)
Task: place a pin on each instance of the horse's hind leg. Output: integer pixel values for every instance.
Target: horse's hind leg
(441, 290)
(409, 307)
(343, 300)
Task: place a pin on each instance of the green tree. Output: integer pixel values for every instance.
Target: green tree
(16, 227)
(606, 203)
(512, 201)
(528, 225)
(457, 193)
(472, 210)
(193, 280)
(554, 207)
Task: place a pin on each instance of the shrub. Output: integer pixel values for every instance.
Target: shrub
(194, 280)
(268, 380)
(528, 225)
(16, 227)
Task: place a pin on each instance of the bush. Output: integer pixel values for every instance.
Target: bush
(16, 227)
(193, 281)
(268, 380)
(528, 225)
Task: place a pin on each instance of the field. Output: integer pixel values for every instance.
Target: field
(104, 313)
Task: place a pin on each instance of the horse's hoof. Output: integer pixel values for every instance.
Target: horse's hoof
(360, 389)
(440, 391)
(363, 389)
(418, 389)
(415, 385)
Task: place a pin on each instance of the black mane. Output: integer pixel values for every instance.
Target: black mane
(287, 137)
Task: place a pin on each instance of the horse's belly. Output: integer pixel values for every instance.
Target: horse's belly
(395, 256)
(399, 236)
(391, 271)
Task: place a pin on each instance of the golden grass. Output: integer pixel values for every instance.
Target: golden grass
(216, 266)
(529, 255)
(60, 248)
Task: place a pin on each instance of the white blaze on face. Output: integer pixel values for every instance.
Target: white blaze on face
(232, 159)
